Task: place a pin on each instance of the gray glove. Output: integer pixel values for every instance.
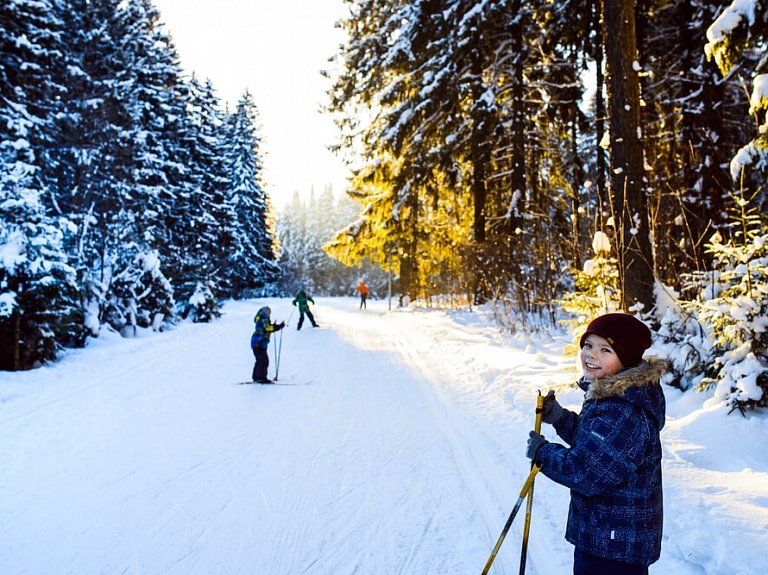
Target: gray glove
(534, 442)
(551, 411)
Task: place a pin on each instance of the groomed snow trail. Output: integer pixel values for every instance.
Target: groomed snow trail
(393, 443)
(377, 452)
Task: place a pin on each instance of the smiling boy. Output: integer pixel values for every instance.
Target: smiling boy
(612, 463)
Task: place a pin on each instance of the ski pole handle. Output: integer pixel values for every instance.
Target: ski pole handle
(539, 413)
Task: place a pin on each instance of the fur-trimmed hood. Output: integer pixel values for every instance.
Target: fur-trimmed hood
(649, 372)
(639, 385)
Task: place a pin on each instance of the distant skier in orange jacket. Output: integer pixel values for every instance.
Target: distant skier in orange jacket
(363, 294)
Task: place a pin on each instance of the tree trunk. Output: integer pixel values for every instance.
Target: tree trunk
(479, 146)
(629, 202)
(17, 339)
(600, 169)
(578, 182)
(518, 123)
(478, 198)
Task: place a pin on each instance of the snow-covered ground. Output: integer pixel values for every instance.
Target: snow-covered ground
(393, 443)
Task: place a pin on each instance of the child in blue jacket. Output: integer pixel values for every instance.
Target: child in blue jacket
(262, 329)
(612, 463)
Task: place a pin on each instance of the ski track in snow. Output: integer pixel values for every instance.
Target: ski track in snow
(387, 446)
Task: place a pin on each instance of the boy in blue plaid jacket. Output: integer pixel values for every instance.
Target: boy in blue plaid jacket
(262, 329)
(612, 463)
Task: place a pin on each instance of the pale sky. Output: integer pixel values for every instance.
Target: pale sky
(275, 49)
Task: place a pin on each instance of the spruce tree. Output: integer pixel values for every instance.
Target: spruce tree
(120, 158)
(291, 229)
(305, 230)
(39, 309)
(739, 35)
(731, 303)
(152, 98)
(251, 266)
(205, 237)
(91, 156)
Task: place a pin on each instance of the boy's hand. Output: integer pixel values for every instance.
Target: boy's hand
(535, 441)
(551, 411)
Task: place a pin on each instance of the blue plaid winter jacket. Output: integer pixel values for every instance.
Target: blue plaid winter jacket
(613, 465)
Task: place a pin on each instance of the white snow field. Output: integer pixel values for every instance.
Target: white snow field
(392, 443)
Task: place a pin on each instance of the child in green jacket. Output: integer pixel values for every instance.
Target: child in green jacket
(302, 299)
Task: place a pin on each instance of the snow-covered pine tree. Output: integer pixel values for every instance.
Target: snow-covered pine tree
(689, 155)
(304, 229)
(291, 229)
(743, 28)
(326, 216)
(140, 295)
(119, 156)
(732, 306)
(457, 87)
(38, 295)
(339, 279)
(90, 162)
(731, 301)
(251, 265)
(424, 66)
(206, 237)
(319, 223)
(39, 307)
(202, 306)
(152, 97)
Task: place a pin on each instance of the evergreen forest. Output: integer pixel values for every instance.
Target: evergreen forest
(303, 229)
(555, 159)
(566, 158)
(129, 195)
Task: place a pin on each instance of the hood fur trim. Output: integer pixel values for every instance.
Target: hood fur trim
(649, 372)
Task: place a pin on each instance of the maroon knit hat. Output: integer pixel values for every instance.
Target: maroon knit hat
(628, 336)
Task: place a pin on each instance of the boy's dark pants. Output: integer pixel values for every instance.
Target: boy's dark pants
(311, 319)
(363, 297)
(587, 564)
(262, 363)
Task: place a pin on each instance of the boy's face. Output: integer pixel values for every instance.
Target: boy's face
(598, 359)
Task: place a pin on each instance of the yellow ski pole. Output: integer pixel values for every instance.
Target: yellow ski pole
(529, 507)
(527, 486)
(518, 505)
